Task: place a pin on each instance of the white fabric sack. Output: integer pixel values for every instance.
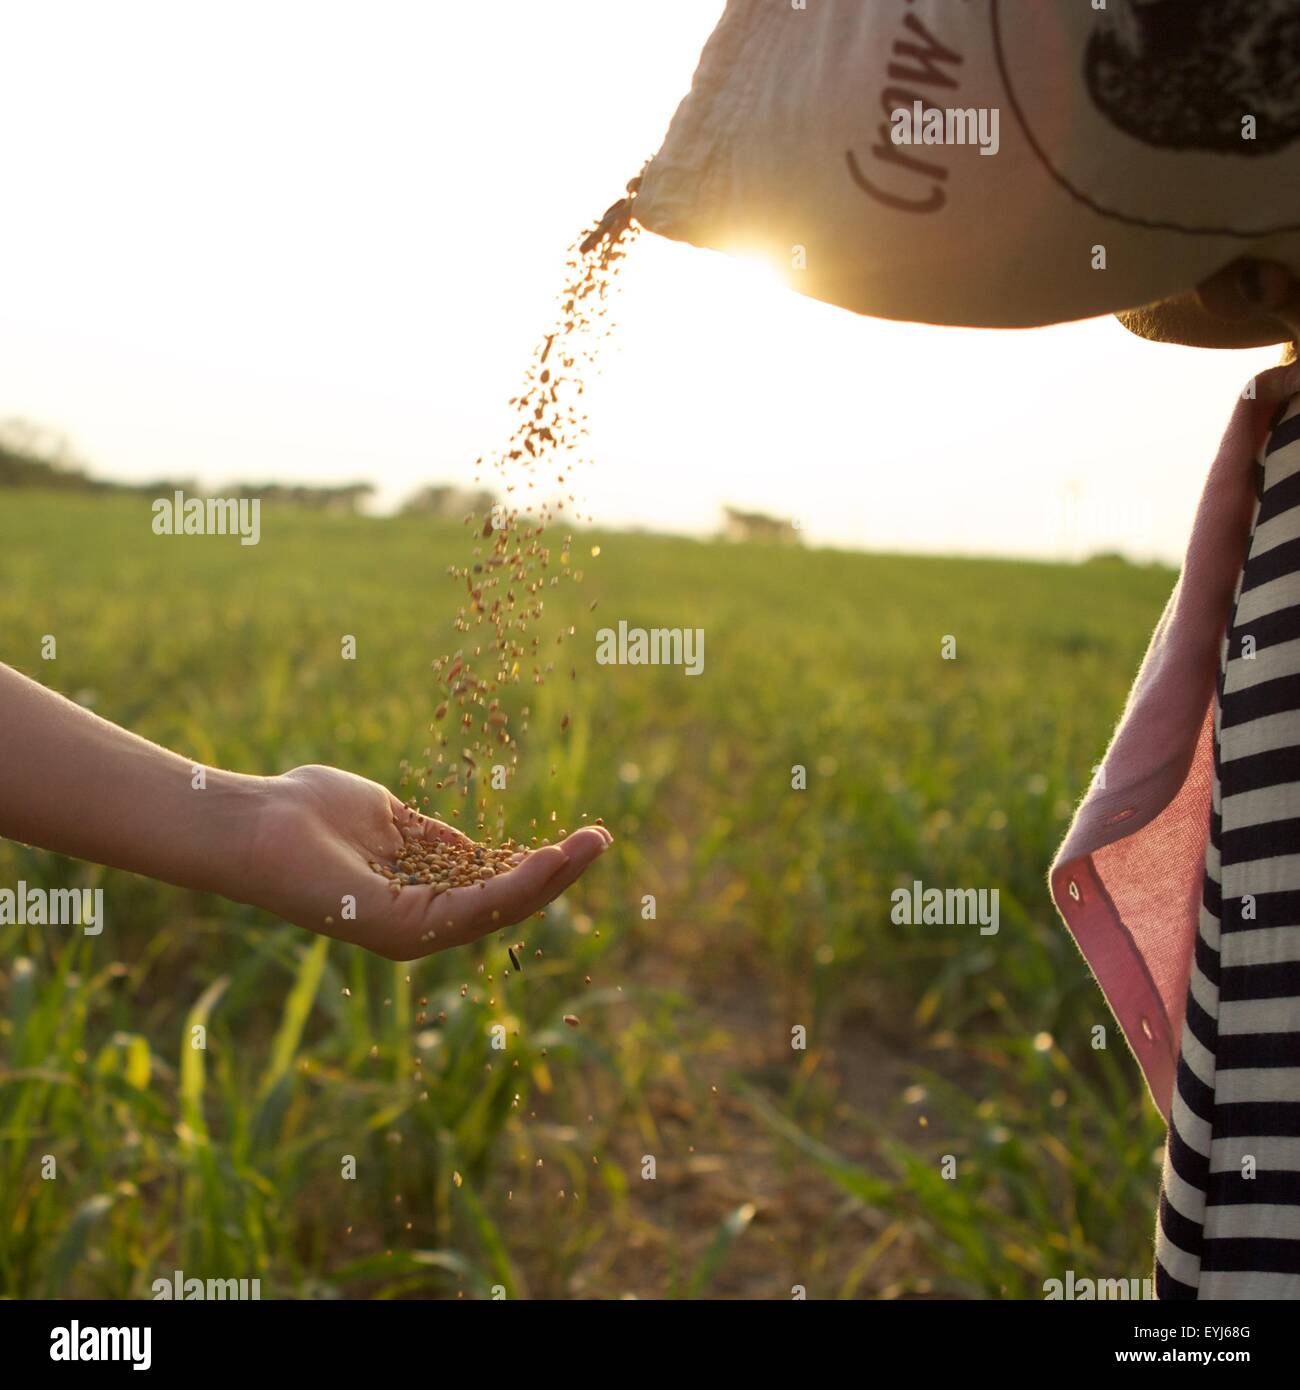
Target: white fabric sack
(1139, 147)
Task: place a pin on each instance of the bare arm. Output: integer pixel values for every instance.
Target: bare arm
(74, 783)
(298, 845)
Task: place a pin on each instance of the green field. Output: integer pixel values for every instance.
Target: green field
(774, 1166)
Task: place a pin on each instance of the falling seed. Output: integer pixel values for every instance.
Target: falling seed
(510, 560)
(572, 1020)
(514, 959)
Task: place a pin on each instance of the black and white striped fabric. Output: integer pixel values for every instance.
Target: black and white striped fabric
(1229, 1219)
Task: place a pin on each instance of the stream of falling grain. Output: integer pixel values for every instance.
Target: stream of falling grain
(519, 550)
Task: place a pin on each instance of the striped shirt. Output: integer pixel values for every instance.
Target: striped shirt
(1229, 1217)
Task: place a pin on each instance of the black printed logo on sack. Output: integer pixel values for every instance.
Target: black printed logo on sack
(1179, 114)
(1179, 74)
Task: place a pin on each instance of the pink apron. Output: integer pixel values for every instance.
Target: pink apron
(1127, 880)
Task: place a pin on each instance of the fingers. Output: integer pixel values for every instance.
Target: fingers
(1247, 289)
(580, 855)
(464, 914)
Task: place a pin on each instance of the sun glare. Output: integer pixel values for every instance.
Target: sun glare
(756, 267)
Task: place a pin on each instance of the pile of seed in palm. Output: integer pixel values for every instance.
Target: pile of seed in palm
(519, 550)
(448, 864)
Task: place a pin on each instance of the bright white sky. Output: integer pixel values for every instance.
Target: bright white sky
(319, 241)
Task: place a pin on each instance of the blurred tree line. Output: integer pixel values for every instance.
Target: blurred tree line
(35, 456)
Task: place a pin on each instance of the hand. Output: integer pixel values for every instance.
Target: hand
(1249, 303)
(1258, 297)
(318, 830)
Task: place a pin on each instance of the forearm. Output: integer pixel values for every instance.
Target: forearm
(74, 783)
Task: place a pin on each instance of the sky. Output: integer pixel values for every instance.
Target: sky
(318, 243)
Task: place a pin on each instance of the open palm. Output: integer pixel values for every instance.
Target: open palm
(320, 829)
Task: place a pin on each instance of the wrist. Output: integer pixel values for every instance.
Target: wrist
(231, 808)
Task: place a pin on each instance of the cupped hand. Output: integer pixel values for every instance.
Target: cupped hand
(319, 829)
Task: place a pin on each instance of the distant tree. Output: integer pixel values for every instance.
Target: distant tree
(33, 455)
(754, 526)
(428, 501)
(349, 497)
(442, 499)
(167, 487)
(26, 439)
(344, 499)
